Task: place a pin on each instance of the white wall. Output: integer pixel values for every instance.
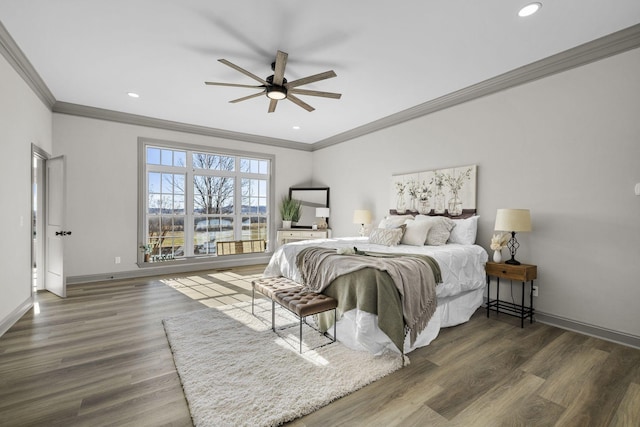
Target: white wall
(24, 120)
(102, 199)
(567, 147)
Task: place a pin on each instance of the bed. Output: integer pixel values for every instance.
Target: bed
(458, 296)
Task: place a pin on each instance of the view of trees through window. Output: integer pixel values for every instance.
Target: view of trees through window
(195, 199)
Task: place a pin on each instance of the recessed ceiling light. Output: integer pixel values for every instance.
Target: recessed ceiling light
(296, 128)
(133, 95)
(530, 9)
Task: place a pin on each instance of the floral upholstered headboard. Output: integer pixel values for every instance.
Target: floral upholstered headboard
(450, 192)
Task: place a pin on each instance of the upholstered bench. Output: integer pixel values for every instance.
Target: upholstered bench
(290, 295)
(268, 286)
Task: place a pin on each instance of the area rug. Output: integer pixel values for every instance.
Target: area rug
(235, 371)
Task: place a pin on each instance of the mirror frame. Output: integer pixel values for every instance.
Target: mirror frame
(311, 198)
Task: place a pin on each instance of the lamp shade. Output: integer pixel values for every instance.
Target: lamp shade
(361, 216)
(513, 220)
(322, 212)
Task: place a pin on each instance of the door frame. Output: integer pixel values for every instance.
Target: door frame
(38, 183)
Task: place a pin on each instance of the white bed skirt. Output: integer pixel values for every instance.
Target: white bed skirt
(359, 330)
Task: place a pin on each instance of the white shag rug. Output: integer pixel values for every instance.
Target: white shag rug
(235, 371)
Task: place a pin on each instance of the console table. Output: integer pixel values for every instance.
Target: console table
(293, 234)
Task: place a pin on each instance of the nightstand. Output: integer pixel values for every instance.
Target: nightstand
(523, 273)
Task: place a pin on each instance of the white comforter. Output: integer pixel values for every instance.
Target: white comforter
(459, 294)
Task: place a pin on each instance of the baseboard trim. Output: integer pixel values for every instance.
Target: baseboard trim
(15, 315)
(228, 262)
(587, 329)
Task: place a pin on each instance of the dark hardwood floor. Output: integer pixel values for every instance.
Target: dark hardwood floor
(100, 357)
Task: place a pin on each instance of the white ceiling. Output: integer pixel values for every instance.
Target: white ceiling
(389, 55)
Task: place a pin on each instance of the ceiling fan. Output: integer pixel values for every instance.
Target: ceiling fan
(276, 87)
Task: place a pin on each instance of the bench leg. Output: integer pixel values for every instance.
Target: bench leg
(253, 297)
(273, 315)
(335, 320)
(300, 334)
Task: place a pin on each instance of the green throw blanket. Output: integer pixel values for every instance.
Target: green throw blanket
(405, 309)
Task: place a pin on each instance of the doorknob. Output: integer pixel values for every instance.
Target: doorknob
(63, 233)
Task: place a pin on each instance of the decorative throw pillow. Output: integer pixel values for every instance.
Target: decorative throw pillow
(440, 229)
(465, 231)
(415, 233)
(386, 236)
(394, 221)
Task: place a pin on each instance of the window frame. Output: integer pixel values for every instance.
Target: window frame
(189, 213)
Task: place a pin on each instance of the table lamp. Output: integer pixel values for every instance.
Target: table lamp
(324, 214)
(513, 220)
(362, 217)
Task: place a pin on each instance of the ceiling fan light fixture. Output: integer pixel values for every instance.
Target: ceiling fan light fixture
(276, 92)
(529, 9)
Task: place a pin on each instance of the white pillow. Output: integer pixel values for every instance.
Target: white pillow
(465, 231)
(416, 233)
(440, 229)
(386, 236)
(394, 221)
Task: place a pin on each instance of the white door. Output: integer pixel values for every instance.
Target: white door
(55, 220)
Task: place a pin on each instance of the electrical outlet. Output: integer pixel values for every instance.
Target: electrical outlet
(534, 291)
(117, 260)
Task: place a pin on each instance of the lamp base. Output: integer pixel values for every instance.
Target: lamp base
(512, 262)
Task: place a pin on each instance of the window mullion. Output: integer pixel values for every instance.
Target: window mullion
(189, 209)
(237, 200)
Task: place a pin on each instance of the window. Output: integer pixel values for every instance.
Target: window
(196, 198)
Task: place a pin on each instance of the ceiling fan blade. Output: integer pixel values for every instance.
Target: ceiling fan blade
(272, 105)
(243, 71)
(281, 63)
(244, 98)
(311, 79)
(315, 93)
(300, 102)
(232, 85)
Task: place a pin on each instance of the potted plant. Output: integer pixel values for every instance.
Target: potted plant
(289, 211)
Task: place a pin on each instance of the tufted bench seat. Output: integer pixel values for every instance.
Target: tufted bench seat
(291, 296)
(268, 286)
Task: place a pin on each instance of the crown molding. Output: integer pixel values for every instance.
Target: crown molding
(13, 54)
(612, 44)
(133, 119)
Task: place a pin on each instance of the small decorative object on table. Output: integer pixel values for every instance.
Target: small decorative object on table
(498, 241)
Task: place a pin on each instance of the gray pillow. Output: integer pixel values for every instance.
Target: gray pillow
(440, 230)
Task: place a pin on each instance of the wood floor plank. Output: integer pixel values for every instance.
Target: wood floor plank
(496, 406)
(572, 376)
(100, 357)
(628, 413)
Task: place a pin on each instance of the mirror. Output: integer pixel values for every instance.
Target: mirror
(311, 198)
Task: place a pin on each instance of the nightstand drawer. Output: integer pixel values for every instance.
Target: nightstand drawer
(302, 234)
(522, 272)
(286, 235)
